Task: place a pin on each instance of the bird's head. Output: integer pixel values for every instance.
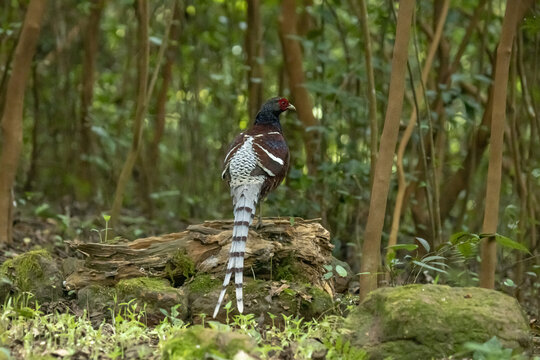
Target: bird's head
(271, 110)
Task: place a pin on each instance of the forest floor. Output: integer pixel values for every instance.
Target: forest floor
(63, 329)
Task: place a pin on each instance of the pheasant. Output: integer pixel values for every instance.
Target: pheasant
(255, 164)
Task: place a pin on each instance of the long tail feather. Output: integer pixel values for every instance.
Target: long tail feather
(244, 199)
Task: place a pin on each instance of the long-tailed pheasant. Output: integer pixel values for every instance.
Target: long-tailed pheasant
(256, 163)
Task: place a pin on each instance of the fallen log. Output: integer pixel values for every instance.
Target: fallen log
(281, 249)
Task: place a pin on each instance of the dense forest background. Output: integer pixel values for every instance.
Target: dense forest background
(205, 68)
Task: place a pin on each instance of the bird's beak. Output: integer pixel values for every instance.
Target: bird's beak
(291, 107)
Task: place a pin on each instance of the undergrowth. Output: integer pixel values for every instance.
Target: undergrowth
(26, 332)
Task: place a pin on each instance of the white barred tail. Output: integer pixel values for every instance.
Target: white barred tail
(245, 199)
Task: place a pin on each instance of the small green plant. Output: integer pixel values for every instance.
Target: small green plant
(124, 333)
(491, 350)
(107, 218)
(172, 317)
(342, 350)
(331, 270)
(448, 261)
(228, 309)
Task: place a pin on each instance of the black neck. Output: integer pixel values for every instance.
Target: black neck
(268, 118)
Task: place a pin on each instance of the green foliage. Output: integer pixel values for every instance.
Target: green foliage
(492, 350)
(338, 269)
(450, 263)
(124, 335)
(198, 342)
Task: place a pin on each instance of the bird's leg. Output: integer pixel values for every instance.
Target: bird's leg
(259, 222)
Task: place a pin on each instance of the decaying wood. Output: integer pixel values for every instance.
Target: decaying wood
(305, 243)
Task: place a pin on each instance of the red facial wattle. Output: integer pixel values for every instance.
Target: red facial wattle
(283, 104)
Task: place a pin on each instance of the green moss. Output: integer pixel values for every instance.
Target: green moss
(180, 264)
(288, 269)
(203, 284)
(24, 269)
(321, 301)
(198, 342)
(254, 286)
(153, 294)
(136, 285)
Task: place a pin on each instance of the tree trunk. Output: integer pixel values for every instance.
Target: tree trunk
(140, 110)
(383, 168)
(295, 73)
(493, 182)
(254, 51)
(207, 247)
(12, 117)
(90, 46)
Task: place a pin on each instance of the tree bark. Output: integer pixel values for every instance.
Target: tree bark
(383, 169)
(295, 73)
(140, 110)
(254, 51)
(493, 182)
(12, 117)
(90, 46)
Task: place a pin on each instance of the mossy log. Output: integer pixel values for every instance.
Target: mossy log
(280, 249)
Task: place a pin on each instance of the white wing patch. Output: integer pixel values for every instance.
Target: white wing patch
(272, 156)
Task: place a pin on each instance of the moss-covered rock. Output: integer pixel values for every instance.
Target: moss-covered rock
(260, 298)
(198, 342)
(35, 272)
(156, 293)
(96, 299)
(434, 321)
